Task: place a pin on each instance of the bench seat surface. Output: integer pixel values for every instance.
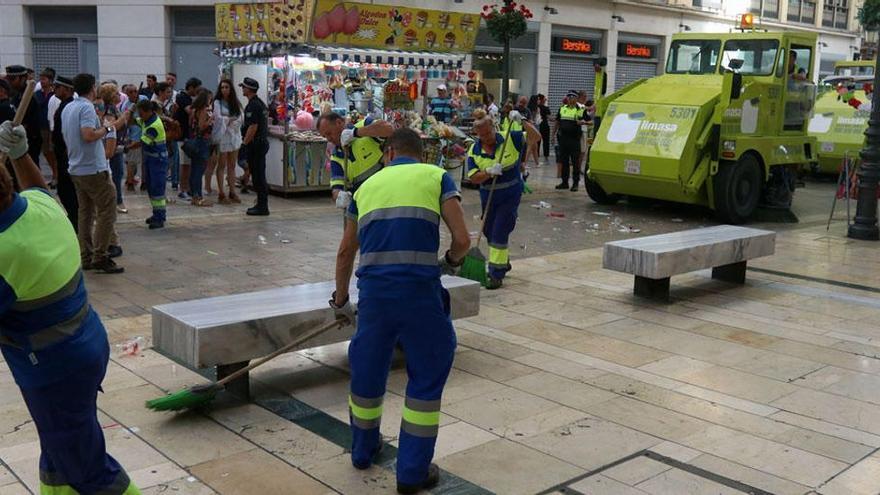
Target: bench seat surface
(665, 255)
(239, 327)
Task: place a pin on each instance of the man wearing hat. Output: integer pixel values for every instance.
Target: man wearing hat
(256, 137)
(17, 75)
(569, 120)
(66, 191)
(441, 106)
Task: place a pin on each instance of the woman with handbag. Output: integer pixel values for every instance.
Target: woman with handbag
(198, 146)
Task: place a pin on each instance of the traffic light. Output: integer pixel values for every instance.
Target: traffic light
(747, 21)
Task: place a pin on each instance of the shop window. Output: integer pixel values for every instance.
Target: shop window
(64, 21)
(65, 38)
(193, 22)
(767, 9)
(802, 11)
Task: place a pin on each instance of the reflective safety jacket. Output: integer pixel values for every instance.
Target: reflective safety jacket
(153, 136)
(398, 216)
(479, 160)
(46, 324)
(364, 160)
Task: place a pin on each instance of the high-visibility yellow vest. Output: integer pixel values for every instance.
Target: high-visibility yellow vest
(366, 160)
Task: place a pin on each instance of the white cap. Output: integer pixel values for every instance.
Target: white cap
(442, 87)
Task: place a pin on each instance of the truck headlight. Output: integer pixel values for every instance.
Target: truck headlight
(728, 146)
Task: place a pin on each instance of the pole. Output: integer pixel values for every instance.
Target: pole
(865, 223)
(505, 82)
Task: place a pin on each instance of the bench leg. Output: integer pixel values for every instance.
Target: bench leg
(734, 273)
(240, 387)
(656, 289)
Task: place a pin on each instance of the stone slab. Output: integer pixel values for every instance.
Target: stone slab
(231, 329)
(665, 255)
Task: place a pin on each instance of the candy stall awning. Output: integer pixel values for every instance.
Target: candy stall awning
(394, 57)
(261, 49)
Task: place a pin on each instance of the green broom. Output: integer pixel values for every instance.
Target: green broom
(200, 395)
(473, 267)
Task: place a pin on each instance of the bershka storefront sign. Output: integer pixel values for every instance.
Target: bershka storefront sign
(636, 50)
(568, 44)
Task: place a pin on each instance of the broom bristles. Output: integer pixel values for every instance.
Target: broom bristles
(474, 267)
(188, 398)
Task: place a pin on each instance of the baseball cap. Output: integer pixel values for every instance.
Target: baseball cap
(250, 83)
(442, 87)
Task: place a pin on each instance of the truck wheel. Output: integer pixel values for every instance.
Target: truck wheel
(598, 195)
(738, 189)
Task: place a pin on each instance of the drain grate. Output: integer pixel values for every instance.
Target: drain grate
(566, 487)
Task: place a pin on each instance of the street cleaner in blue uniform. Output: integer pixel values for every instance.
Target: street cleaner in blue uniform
(155, 158)
(361, 143)
(491, 169)
(51, 339)
(394, 218)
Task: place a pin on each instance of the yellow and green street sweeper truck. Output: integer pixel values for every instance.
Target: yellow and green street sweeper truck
(841, 114)
(724, 127)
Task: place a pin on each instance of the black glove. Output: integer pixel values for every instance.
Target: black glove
(448, 266)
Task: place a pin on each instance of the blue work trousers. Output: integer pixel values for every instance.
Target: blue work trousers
(424, 331)
(72, 446)
(156, 165)
(501, 221)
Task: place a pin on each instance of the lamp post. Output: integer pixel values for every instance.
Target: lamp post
(505, 82)
(865, 223)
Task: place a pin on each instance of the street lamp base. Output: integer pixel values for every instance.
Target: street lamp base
(863, 232)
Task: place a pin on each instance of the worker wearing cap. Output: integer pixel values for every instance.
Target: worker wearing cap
(256, 137)
(66, 189)
(569, 121)
(50, 337)
(496, 167)
(155, 157)
(17, 76)
(357, 154)
(394, 220)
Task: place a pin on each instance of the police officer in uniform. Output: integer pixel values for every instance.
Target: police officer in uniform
(394, 218)
(363, 147)
(501, 172)
(256, 138)
(51, 339)
(569, 120)
(17, 76)
(66, 190)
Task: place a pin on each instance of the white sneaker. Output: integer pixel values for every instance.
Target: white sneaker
(121, 208)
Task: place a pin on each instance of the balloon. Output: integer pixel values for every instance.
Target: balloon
(322, 27)
(352, 21)
(304, 120)
(336, 19)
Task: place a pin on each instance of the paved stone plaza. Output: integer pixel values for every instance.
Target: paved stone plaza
(564, 383)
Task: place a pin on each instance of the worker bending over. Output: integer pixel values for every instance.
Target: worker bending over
(358, 152)
(52, 340)
(496, 167)
(394, 218)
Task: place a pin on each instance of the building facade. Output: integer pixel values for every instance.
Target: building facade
(131, 38)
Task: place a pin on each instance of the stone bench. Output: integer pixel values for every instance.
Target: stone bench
(654, 259)
(226, 332)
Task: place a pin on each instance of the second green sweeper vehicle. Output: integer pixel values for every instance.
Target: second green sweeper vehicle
(724, 127)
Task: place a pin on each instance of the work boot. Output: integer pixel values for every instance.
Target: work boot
(114, 251)
(431, 481)
(107, 265)
(562, 186)
(574, 188)
(157, 224)
(494, 283)
(258, 212)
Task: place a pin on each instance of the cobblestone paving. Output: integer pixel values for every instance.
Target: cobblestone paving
(563, 380)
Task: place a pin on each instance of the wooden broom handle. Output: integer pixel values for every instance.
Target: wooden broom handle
(485, 215)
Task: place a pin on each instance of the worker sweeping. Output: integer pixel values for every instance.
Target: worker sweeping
(394, 218)
(497, 167)
(51, 339)
(358, 152)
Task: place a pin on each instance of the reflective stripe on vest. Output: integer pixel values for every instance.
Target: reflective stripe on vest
(160, 131)
(366, 161)
(39, 253)
(510, 158)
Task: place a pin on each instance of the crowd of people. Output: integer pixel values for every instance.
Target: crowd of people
(103, 140)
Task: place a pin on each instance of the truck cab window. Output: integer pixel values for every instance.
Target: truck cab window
(758, 56)
(693, 57)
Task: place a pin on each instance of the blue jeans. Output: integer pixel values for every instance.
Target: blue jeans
(117, 169)
(174, 162)
(197, 168)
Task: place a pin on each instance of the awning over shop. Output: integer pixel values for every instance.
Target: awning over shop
(262, 49)
(394, 57)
